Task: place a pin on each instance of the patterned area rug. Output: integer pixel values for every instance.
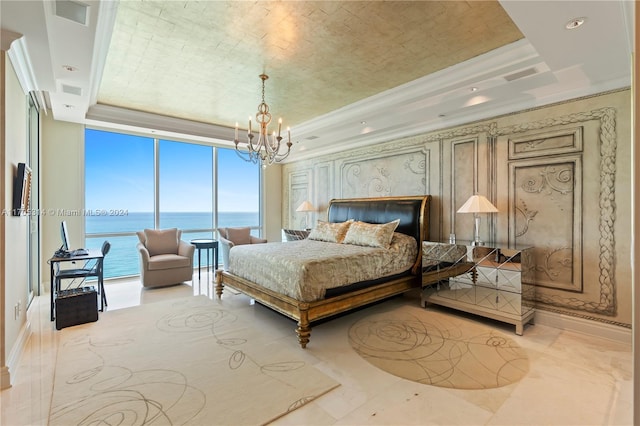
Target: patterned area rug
(187, 361)
(436, 349)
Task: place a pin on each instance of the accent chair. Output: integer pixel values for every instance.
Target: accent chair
(164, 258)
(230, 237)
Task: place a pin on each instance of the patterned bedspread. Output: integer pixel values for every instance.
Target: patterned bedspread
(305, 269)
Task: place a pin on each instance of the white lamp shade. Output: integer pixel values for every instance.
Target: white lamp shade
(306, 206)
(477, 204)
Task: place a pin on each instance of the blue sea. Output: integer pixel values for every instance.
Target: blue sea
(123, 258)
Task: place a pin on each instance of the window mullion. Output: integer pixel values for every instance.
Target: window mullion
(156, 183)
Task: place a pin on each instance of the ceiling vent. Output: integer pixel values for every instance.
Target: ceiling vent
(72, 10)
(72, 90)
(521, 74)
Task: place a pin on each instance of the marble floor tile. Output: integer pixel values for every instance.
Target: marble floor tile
(573, 379)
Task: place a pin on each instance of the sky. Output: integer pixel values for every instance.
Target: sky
(119, 176)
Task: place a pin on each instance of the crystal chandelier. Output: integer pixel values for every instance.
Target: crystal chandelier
(266, 150)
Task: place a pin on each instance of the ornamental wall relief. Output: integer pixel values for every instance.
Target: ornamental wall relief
(545, 200)
(385, 175)
(542, 173)
(545, 210)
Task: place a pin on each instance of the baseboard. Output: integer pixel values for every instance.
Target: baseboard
(584, 326)
(16, 352)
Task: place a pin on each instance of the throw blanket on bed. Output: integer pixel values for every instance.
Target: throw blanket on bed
(305, 269)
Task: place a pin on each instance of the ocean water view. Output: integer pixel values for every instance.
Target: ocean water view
(123, 258)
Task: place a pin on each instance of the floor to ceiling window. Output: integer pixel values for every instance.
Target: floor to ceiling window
(185, 188)
(134, 182)
(238, 191)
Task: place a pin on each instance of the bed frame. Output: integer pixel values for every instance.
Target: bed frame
(413, 212)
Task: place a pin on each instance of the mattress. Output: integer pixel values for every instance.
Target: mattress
(305, 269)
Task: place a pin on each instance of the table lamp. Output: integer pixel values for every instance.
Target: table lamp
(477, 204)
(306, 207)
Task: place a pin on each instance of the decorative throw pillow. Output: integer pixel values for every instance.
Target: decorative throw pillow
(371, 235)
(161, 241)
(239, 236)
(329, 231)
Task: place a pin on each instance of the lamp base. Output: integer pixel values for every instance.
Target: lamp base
(476, 231)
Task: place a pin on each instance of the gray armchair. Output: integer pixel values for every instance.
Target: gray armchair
(230, 237)
(164, 258)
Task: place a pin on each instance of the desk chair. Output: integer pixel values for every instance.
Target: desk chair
(90, 269)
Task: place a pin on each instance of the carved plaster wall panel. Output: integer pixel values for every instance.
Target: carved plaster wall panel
(461, 150)
(386, 174)
(468, 172)
(597, 296)
(324, 183)
(573, 143)
(463, 178)
(545, 211)
(299, 191)
(554, 142)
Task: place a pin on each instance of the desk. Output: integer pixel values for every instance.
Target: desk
(206, 245)
(94, 254)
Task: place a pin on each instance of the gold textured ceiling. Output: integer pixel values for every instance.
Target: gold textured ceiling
(200, 60)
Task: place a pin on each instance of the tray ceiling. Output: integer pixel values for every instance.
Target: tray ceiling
(342, 73)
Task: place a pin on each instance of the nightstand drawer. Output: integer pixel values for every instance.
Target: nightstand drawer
(502, 279)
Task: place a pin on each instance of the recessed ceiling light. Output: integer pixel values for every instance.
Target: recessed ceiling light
(70, 68)
(363, 122)
(69, 106)
(474, 89)
(442, 115)
(575, 23)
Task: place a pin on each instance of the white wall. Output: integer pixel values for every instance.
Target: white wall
(635, 260)
(15, 227)
(62, 186)
(272, 202)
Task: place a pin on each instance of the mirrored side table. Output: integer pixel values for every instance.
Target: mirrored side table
(500, 285)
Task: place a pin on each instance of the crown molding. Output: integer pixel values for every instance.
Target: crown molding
(504, 60)
(6, 38)
(19, 58)
(117, 118)
(104, 28)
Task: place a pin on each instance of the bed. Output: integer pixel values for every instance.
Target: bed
(307, 307)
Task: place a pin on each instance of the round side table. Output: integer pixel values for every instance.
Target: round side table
(206, 244)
